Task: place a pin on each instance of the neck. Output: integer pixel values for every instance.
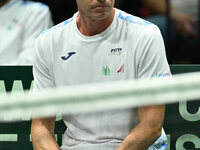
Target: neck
(3, 2)
(88, 26)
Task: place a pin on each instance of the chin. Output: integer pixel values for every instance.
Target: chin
(101, 16)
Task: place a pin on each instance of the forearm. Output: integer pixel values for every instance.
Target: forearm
(147, 131)
(43, 137)
(141, 137)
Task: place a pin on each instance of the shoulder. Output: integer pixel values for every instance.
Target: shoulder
(126, 17)
(53, 35)
(57, 28)
(137, 24)
(51, 39)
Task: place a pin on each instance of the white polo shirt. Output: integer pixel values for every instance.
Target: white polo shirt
(130, 48)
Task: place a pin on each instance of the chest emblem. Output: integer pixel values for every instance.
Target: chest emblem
(69, 55)
(116, 51)
(121, 70)
(106, 71)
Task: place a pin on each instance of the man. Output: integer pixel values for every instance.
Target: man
(100, 43)
(21, 23)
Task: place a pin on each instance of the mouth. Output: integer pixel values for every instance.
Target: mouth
(100, 6)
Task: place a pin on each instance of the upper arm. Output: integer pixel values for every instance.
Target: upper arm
(42, 133)
(153, 63)
(41, 71)
(154, 114)
(43, 125)
(152, 57)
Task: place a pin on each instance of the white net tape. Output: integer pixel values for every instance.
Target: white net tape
(101, 96)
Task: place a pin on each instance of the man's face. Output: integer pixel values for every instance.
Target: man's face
(96, 9)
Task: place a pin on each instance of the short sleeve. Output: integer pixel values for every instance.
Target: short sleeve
(41, 72)
(152, 58)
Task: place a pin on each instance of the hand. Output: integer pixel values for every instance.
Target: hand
(184, 24)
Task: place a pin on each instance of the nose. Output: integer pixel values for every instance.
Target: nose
(101, 0)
